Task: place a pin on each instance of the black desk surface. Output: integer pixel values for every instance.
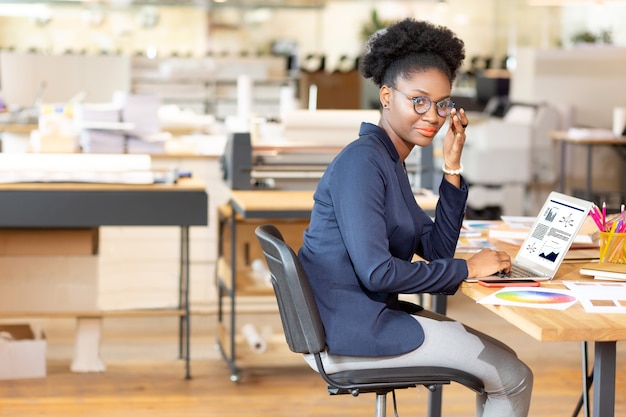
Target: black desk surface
(91, 205)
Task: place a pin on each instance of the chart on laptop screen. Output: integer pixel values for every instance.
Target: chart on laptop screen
(555, 228)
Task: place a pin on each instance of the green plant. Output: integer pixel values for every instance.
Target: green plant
(373, 25)
(586, 36)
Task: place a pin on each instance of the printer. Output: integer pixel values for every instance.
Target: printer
(502, 157)
(296, 153)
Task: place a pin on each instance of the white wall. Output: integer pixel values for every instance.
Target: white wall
(586, 83)
(489, 27)
(594, 17)
(589, 79)
(57, 78)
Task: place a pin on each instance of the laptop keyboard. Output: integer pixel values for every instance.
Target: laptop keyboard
(517, 272)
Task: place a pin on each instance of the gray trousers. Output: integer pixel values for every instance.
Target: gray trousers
(508, 381)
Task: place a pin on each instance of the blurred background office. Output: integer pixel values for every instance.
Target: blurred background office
(177, 79)
(560, 60)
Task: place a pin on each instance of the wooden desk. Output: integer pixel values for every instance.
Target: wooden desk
(60, 205)
(565, 139)
(247, 209)
(18, 128)
(272, 204)
(573, 324)
(278, 204)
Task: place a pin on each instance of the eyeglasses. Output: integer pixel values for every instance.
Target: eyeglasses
(422, 104)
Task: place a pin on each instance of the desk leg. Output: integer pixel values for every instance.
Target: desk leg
(440, 305)
(622, 151)
(87, 345)
(589, 172)
(587, 379)
(233, 288)
(587, 382)
(604, 379)
(183, 301)
(562, 168)
(227, 347)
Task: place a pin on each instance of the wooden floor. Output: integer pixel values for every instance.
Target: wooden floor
(145, 378)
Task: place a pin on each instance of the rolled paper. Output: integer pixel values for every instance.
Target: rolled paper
(253, 338)
(313, 97)
(619, 121)
(244, 97)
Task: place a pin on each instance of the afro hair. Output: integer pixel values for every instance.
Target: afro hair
(410, 46)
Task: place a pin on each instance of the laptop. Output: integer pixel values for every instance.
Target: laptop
(548, 240)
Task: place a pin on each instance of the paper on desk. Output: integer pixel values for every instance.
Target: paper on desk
(600, 297)
(531, 297)
(582, 133)
(477, 228)
(71, 168)
(473, 244)
(519, 222)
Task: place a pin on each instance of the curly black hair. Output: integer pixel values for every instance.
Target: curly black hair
(410, 46)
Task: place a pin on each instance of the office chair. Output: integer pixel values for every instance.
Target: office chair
(304, 332)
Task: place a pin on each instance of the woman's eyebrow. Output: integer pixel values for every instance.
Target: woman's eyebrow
(419, 92)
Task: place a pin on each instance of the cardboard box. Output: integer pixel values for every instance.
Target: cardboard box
(248, 248)
(48, 284)
(22, 355)
(48, 270)
(48, 242)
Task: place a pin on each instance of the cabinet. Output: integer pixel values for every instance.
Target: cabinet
(209, 85)
(335, 90)
(237, 249)
(216, 97)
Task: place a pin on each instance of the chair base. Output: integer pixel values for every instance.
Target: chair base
(381, 405)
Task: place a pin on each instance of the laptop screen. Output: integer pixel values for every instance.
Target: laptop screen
(555, 228)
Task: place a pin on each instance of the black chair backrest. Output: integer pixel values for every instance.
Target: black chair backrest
(300, 317)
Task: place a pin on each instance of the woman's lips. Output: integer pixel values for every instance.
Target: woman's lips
(426, 131)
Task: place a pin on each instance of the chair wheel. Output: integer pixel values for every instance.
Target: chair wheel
(234, 378)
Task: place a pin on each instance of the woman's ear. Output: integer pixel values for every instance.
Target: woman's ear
(385, 95)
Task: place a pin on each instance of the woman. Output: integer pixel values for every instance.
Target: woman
(366, 226)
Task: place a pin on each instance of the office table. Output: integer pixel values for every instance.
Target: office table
(18, 128)
(589, 142)
(280, 204)
(80, 205)
(572, 324)
(270, 205)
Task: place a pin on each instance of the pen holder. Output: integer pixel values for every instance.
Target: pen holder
(613, 247)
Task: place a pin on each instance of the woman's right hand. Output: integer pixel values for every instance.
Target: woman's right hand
(488, 262)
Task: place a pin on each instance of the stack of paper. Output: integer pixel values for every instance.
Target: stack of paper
(473, 235)
(605, 271)
(140, 110)
(102, 141)
(582, 133)
(100, 128)
(97, 112)
(76, 167)
(137, 145)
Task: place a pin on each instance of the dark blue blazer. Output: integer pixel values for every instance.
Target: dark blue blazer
(365, 228)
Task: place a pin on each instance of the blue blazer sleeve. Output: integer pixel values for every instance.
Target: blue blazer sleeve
(379, 227)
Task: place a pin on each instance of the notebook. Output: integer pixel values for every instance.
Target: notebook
(549, 238)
